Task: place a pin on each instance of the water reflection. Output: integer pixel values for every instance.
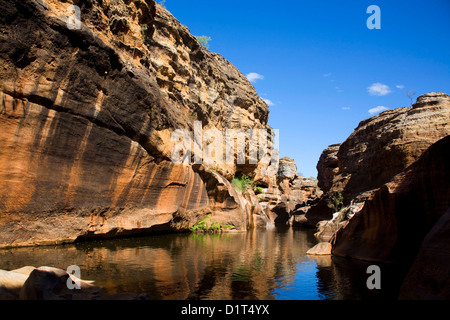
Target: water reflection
(252, 265)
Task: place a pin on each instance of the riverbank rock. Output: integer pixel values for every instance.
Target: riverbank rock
(48, 283)
(322, 248)
(10, 284)
(386, 144)
(87, 116)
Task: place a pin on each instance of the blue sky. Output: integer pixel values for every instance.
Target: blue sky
(318, 60)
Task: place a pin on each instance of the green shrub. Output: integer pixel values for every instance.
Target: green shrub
(242, 184)
(208, 225)
(204, 41)
(201, 225)
(258, 190)
(337, 202)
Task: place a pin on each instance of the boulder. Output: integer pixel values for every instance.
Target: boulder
(322, 248)
(287, 168)
(10, 284)
(24, 270)
(48, 283)
(287, 193)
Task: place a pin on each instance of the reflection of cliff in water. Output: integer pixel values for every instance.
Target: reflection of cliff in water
(252, 265)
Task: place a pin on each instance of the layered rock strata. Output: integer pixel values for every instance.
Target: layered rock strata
(288, 194)
(396, 218)
(87, 115)
(378, 149)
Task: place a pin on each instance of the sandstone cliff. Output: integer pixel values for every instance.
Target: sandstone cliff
(87, 116)
(384, 145)
(379, 148)
(395, 219)
(393, 172)
(327, 167)
(287, 194)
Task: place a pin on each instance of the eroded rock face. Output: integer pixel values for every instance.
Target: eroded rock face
(287, 168)
(378, 149)
(327, 167)
(87, 116)
(288, 193)
(386, 144)
(394, 221)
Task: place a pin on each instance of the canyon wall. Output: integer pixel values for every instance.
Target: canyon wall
(378, 149)
(396, 218)
(87, 115)
(393, 173)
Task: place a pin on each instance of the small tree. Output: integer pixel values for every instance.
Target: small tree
(162, 3)
(410, 95)
(337, 202)
(204, 41)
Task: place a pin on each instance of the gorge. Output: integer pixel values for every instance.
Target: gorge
(88, 115)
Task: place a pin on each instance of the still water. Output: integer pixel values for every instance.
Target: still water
(253, 265)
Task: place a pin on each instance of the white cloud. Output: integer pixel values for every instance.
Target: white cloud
(327, 74)
(269, 103)
(378, 89)
(377, 110)
(253, 76)
(345, 108)
(400, 86)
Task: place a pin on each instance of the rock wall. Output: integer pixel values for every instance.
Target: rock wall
(429, 277)
(379, 148)
(87, 116)
(396, 218)
(327, 167)
(287, 194)
(386, 144)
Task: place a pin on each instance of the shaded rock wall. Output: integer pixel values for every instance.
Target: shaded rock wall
(429, 277)
(394, 221)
